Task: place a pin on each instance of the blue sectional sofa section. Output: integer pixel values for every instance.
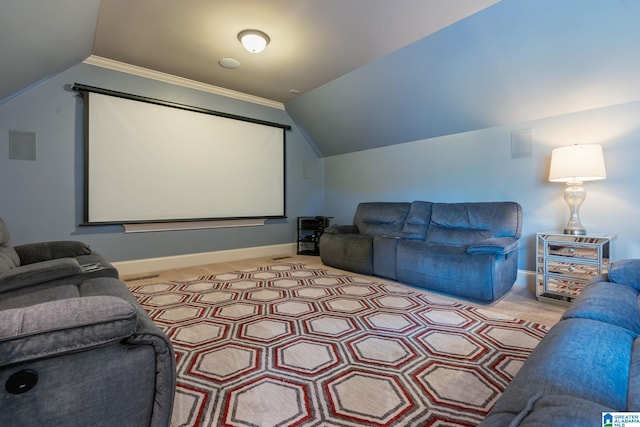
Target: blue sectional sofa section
(464, 249)
(76, 347)
(587, 366)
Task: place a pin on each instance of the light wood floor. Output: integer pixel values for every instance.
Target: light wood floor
(519, 303)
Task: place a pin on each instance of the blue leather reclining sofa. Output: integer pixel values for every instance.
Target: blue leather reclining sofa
(468, 250)
(587, 367)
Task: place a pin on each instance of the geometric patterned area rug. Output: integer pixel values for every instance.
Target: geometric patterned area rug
(294, 345)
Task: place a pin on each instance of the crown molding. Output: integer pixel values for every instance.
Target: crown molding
(99, 61)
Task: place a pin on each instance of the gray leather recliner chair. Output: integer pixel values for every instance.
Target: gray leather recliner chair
(76, 349)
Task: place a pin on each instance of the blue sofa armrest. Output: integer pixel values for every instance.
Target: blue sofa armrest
(64, 326)
(625, 272)
(39, 272)
(342, 229)
(494, 245)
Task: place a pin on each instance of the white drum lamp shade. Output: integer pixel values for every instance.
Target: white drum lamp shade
(575, 164)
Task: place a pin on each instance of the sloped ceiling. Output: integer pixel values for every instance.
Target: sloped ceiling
(516, 61)
(312, 42)
(40, 38)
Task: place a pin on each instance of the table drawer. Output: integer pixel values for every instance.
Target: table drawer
(587, 252)
(564, 286)
(575, 269)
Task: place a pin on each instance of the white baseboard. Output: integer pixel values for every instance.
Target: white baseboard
(526, 278)
(142, 266)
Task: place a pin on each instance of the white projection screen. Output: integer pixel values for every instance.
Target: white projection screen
(151, 161)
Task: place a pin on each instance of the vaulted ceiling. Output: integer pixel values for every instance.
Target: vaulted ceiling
(512, 63)
(312, 41)
(352, 74)
(41, 38)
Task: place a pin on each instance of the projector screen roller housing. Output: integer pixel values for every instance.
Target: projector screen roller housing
(151, 161)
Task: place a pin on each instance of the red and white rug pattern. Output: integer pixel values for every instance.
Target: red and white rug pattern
(293, 345)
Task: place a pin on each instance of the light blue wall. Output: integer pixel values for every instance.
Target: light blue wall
(42, 199)
(477, 166)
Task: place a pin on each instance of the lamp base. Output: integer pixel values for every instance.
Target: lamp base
(574, 195)
(575, 231)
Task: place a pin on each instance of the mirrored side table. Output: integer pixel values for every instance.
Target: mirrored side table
(566, 263)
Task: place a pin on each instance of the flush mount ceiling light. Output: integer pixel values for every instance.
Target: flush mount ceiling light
(253, 40)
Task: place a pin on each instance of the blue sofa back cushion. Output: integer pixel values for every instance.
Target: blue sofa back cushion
(464, 223)
(626, 272)
(379, 218)
(418, 220)
(611, 303)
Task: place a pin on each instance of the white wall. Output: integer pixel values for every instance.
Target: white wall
(477, 166)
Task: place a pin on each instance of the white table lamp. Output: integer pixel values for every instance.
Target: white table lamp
(575, 164)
